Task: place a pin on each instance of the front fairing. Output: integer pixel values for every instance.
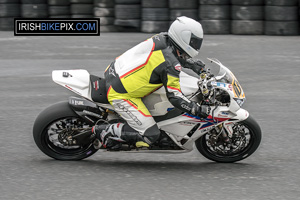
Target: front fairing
(226, 80)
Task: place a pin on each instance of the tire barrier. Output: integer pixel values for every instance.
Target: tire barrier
(105, 10)
(215, 16)
(82, 8)
(34, 10)
(281, 17)
(155, 16)
(247, 17)
(9, 9)
(128, 15)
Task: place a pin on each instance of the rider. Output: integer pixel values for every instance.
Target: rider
(143, 69)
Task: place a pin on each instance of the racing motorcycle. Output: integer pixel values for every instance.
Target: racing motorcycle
(229, 134)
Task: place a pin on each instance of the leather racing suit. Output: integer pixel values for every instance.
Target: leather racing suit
(140, 71)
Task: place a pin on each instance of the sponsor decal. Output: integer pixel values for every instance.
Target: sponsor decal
(66, 74)
(76, 102)
(185, 107)
(112, 72)
(206, 129)
(56, 27)
(178, 67)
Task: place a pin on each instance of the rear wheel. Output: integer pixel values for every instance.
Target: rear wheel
(50, 130)
(245, 140)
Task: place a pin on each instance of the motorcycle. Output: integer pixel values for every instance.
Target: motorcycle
(229, 134)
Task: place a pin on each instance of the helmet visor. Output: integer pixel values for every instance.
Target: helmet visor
(195, 42)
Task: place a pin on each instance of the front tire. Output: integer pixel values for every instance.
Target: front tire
(47, 127)
(253, 133)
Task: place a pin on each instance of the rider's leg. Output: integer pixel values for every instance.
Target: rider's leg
(141, 125)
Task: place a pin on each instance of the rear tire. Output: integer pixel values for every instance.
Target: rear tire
(254, 141)
(47, 124)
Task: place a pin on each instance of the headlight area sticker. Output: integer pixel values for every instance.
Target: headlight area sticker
(57, 27)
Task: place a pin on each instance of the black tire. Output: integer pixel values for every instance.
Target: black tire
(10, 1)
(247, 2)
(82, 16)
(82, 1)
(109, 28)
(34, 1)
(104, 12)
(216, 26)
(155, 3)
(191, 13)
(59, 2)
(155, 14)
(255, 139)
(173, 4)
(128, 11)
(154, 26)
(218, 12)
(128, 22)
(127, 1)
(247, 27)
(82, 9)
(214, 2)
(281, 27)
(247, 12)
(104, 3)
(10, 10)
(281, 2)
(281, 13)
(60, 16)
(104, 21)
(47, 119)
(6, 24)
(59, 10)
(34, 10)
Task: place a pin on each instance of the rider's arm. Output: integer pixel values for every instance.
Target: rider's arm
(170, 78)
(196, 65)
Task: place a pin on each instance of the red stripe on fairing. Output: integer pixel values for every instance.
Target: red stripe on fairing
(68, 87)
(174, 88)
(137, 108)
(140, 65)
(208, 118)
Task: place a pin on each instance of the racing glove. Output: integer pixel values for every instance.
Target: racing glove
(196, 65)
(202, 111)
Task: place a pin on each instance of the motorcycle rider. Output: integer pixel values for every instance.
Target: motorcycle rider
(140, 71)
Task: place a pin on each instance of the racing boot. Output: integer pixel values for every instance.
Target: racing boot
(107, 135)
(132, 137)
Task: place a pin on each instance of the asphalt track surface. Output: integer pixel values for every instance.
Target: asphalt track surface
(268, 68)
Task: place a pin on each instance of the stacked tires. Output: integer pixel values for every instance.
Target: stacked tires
(155, 16)
(215, 16)
(9, 9)
(59, 8)
(104, 9)
(34, 8)
(82, 8)
(247, 17)
(183, 8)
(281, 17)
(128, 15)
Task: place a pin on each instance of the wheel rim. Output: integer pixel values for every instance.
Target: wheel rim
(241, 143)
(51, 134)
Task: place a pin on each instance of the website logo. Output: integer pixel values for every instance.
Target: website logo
(57, 27)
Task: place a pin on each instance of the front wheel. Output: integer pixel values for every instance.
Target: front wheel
(246, 139)
(49, 126)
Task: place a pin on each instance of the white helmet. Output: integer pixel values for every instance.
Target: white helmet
(187, 35)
